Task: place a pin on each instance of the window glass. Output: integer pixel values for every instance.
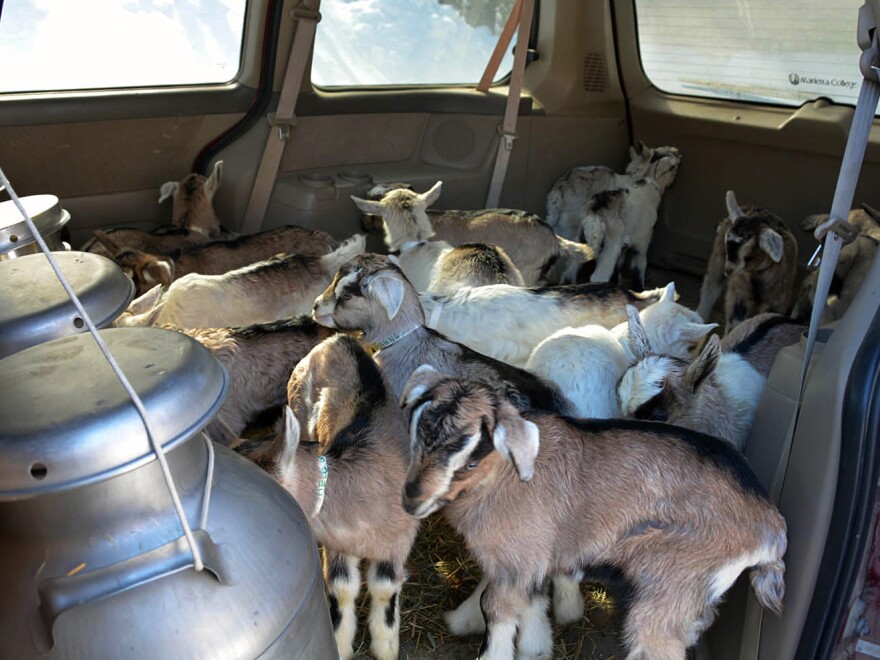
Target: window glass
(49, 45)
(407, 42)
(773, 51)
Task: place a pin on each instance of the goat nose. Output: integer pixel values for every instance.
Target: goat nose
(412, 489)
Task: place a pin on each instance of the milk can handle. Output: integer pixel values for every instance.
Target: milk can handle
(57, 595)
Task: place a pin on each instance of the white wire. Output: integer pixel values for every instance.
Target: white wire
(136, 400)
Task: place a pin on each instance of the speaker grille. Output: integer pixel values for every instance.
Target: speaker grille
(454, 140)
(595, 73)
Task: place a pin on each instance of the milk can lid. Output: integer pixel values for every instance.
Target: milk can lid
(34, 307)
(44, 210)
(66, 421)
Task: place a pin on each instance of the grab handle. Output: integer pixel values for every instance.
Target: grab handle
(57, 595)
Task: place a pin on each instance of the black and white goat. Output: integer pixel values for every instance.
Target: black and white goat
(569, 198)
(676, 515)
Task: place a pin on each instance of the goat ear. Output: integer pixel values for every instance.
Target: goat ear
(158, 270)
(368, 205)
(388, 290)
(733, 209)
(104, 239)
(668, 294)
(146, 301)
(873, 213)
(167, 189)
(633, 154)
(419, 382)
(646, 151)
(704, 363)
(432, 195)
(290, 436)
(213, 181)
(771, 242)
(638, 337)
(697, 330)
(516, 438)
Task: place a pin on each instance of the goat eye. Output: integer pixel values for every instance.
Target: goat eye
(345, 296)
(472, 465)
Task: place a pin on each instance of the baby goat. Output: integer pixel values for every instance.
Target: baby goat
(473, 264)
(266, 291)
(853, 263)
(753, 261)
(569, 198)
(372, 295)
(506, 322)
(650, 503)
(217, 257)
(719, 391)
(587, 362)
(193, 220)
(258, 359)
(347, 472)
(619, 222)
(529, 241)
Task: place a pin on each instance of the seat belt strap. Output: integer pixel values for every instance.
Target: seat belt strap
(851, 165)
(283, 119)
(500, 47)
(507, 130)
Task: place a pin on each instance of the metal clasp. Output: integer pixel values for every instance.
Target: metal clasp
(507, 137)
(283, 126)
(844, 230)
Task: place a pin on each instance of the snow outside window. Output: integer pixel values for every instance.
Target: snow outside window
(407, 42)
(52, 45)
(772, 51)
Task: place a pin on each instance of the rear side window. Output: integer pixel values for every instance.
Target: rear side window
(771, 51)
(55, 45)
(407, 42)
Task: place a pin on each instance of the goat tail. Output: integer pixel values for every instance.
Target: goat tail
(348, 250)
(767, 577)
(576, 261)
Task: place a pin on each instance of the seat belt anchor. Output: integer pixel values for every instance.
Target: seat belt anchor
(283, 126)
(507, 137)
(845, 231)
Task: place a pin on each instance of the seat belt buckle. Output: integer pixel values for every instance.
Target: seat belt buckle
(845, 231)
(283, 125)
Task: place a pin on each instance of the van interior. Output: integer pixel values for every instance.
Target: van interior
(596, 80)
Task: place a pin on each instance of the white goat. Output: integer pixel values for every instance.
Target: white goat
(587, 362)
(343, 457)
(266, 291)
(619, 222)
(677, 515)
(506, 322)
(569, 197)
(717, 393)
(529, 241)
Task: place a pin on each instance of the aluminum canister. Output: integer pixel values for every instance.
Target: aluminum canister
(17, 240)
(94, 563)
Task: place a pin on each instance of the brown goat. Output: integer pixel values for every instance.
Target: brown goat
(218, 257)
(675, 515)
(753, 261)
(473, 264)
(258, 359)
(193, 220)
(853, 264)
(345, 415)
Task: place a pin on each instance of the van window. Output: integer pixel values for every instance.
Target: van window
(771, 51)
(407, 42)
(53, 45)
